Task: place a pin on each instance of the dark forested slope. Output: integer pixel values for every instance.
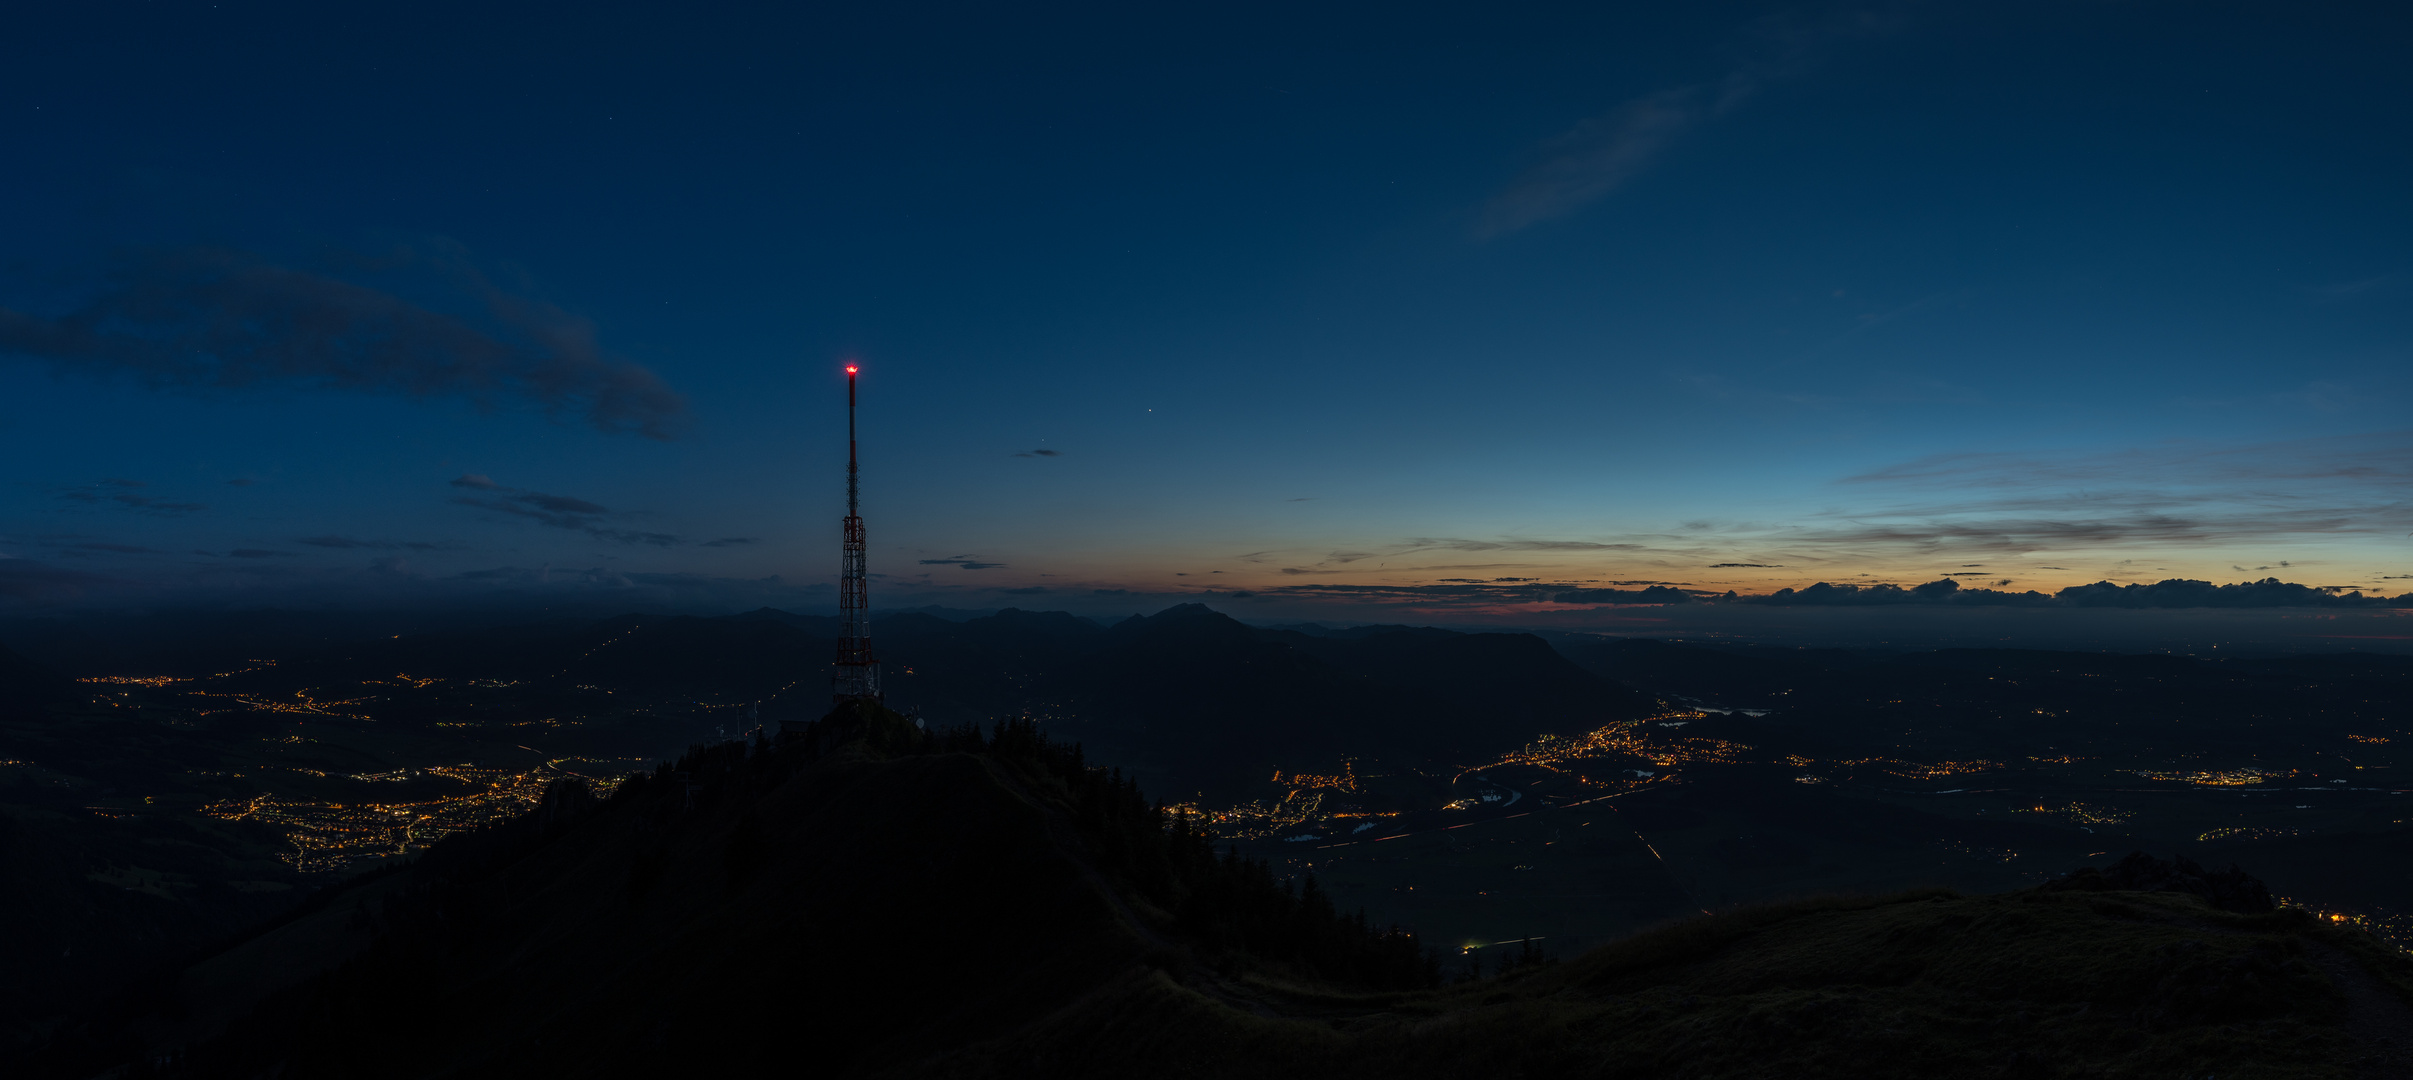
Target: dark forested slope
(867, 891)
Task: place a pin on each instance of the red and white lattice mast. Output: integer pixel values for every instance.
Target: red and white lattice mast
(858, 675)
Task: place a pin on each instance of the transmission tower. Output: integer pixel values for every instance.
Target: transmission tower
(858, 675)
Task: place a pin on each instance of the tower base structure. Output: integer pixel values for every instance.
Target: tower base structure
(855, 682)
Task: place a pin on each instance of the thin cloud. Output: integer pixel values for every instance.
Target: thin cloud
(559, 504)
(966, 562)
(624, 536)
(732, 541)
(126, 496)
(2174, 495)
(556, 511)
(152, 504)
(517, 508)
(346, 543)
(1040, 453)
(208, 317)
(2016, 536)
(1475, 592)
(25, 580)
(340, 542)
(1978, 509)
(2376, 456)
(2345, 291)
(1600, 153)
(1469, 566)
(1426, 543)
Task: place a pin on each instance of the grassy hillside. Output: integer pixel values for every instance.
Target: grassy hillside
(1914, 985)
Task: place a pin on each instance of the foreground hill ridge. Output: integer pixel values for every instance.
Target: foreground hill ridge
(873, 900)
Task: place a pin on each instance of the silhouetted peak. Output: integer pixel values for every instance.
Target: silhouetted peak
(1186, 611)
(1189, 624)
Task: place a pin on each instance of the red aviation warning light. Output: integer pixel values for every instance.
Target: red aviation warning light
(850, 369)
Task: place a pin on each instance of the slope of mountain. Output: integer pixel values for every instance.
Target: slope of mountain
(868, 901)
(88, 897)
(856, 896)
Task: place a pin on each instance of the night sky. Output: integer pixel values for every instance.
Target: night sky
(378, 304)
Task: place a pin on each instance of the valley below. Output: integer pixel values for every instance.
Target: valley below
(1583, 789)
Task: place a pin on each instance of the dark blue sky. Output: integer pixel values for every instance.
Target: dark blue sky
(384, 303)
